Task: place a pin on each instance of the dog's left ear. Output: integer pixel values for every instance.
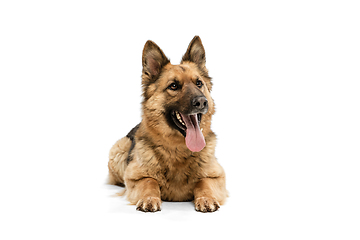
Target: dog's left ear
(195, 52)
(153, 59)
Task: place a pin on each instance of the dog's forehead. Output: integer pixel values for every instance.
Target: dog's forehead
(182, 72)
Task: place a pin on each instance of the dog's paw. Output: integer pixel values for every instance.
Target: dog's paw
(205, 204)
(149, 204)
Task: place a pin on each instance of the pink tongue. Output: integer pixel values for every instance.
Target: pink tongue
(194, 138)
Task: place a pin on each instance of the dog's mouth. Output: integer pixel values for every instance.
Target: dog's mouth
(189, 126)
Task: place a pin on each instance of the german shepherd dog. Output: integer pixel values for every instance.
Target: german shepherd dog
(169, 155)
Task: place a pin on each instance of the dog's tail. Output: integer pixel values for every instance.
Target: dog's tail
(118, 161)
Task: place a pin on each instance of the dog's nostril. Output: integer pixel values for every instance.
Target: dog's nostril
(200, 102)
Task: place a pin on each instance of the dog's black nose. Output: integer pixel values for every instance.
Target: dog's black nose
(200, 103)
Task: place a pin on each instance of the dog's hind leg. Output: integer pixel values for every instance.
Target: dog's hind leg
(118, 161)
(119, 157)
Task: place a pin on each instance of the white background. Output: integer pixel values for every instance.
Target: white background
(286, 85)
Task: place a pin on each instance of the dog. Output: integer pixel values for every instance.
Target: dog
(169, 155)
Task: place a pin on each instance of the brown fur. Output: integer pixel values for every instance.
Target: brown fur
(160, 166)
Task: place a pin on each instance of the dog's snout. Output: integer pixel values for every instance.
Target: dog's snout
(200, 103)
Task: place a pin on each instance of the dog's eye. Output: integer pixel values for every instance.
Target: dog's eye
(199, 83)
(173, 86)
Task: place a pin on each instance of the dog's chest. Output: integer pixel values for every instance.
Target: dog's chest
(177, 181)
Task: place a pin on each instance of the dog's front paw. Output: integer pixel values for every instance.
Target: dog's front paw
(205, 204)
(149, 204)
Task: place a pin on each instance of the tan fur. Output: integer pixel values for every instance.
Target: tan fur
(117, 161)
(161, 166)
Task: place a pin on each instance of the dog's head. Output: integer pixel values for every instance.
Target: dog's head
(177, 102)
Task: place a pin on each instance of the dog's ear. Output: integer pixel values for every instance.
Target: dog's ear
(153, 59)
(195, 52)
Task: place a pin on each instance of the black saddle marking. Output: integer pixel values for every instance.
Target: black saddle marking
(131, 135)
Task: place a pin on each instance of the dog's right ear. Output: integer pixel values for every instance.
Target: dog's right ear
(195, 52)
(153, 60)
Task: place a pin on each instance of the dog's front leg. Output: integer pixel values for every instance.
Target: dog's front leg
(145, 193)
(209, 193)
